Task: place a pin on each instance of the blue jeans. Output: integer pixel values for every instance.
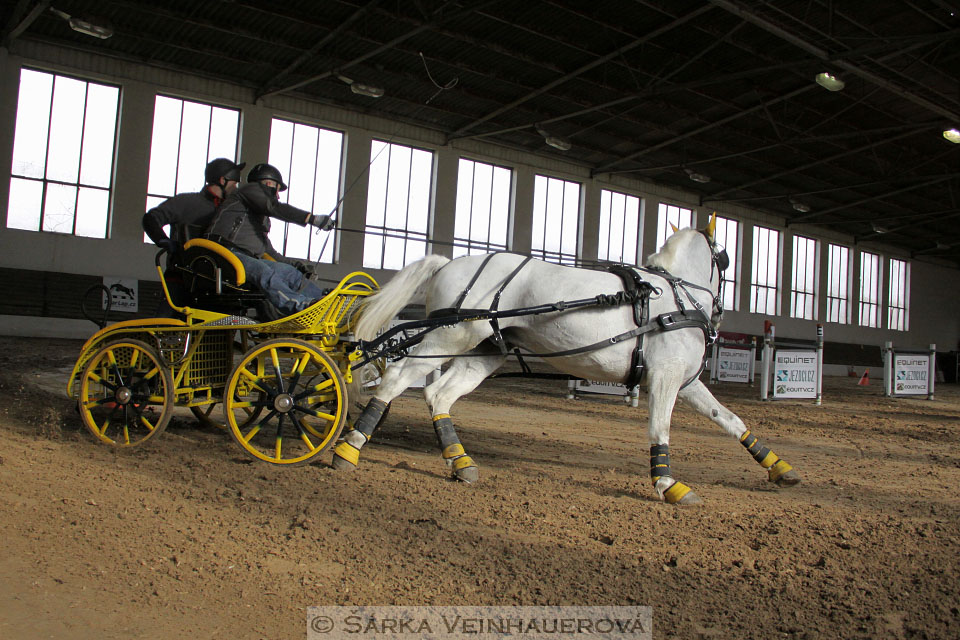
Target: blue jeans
(286, 288)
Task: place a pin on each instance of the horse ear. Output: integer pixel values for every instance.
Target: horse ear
(674, 227)
(712, 225)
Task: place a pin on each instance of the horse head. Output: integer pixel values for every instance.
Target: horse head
(693, 254)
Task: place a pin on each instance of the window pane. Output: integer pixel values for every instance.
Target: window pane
(556, 213)
(24, 208)
(59, 208)
(224, 124)
(164, 146)
(33, 120)
(92, 205)
(66, 129)
(98, 134)
(194, 137)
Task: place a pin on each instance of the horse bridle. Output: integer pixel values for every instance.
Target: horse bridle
(719, 260)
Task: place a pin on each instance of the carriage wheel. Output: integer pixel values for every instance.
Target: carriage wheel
(302, 397)
(211, 415)
(126, 394)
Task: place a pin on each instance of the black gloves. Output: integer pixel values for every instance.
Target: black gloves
(306, 268)
(168, 245)
(324, 223)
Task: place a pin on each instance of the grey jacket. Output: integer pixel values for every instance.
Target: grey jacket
(243, 220)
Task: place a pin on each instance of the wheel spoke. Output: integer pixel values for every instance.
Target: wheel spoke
(126, 425)
(275, 359)
(147, 423)
(314, 413)
(326, 384)
(152, 373)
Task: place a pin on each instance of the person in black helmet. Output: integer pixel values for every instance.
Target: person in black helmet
(242, 224)
(188, 215)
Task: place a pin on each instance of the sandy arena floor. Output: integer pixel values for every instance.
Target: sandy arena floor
(189, 536)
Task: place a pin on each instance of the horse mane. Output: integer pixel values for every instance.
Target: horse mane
(666, 258)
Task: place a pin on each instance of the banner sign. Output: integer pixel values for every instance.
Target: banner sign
(910, 374)
(123, 294)
(795, 374)
(606, 388)
(733, 365)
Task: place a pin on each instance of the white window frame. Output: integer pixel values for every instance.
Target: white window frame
(671, 214)
(396, 231)
(727, 235)
(53, 188)
(188, 166)
(869, 307)
(314, 184)
(765, 283)
(621, 227)
(838, 283)
(898, 299)
(482, 218)
(803, 288)
(555, 231)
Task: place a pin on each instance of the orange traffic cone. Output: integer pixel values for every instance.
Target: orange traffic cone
(864, 379)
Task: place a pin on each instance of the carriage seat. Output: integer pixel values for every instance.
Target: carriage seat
(215, 279)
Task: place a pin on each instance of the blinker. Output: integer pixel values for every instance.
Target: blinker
(723, 260)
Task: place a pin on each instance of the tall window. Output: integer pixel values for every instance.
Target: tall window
(309, 158)
(869, 289)
(670, 214)
(186, 136)
(619, 227)
(398, 205)
(727, 235)
(898, 309)
(556, 219)
(482, 217)
(803, 290)
(838, 285)
(766, 271)
(63, 155)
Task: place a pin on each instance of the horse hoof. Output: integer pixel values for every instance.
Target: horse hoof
(689, 499)
(789, 479)
(342, 464)
(467, 474)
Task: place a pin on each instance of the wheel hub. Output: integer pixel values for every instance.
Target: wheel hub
(283, 403)
(123, 395)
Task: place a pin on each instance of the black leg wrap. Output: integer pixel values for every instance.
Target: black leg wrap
(446, 435)
(370, 417)
(659, 461)
(757, 450)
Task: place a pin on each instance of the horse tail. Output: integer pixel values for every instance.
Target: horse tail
(380, 308)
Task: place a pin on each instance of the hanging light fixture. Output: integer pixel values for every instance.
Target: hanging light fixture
(802, 207)
(88, 26)
(697, 177)
(557, 142)
(953, 135)
(360, 88)
(829, 81)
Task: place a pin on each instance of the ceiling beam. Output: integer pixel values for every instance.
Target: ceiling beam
(426, 26)
(746, 14)
(816, 214)
(12, 31)
(583, 69)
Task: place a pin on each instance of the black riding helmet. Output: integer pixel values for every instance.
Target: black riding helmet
(222, 168)
(264, 171)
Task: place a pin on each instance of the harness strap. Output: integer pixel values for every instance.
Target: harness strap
(494, 306)
(473, 281)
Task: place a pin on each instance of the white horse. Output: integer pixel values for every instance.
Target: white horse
(673, 358)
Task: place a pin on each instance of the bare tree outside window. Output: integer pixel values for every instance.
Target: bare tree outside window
(898, 309)
(63, 155)
(620, 228)
(556, 220)
(310, 158)
(764, 287)
(838, 284)
(398, 205)
(186, 136)
(869, 290)
(803, 290)
(482, 218)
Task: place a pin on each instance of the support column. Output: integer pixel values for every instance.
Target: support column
(520, 239)
(446, 165)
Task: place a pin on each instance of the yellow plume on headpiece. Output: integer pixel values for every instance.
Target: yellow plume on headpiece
(712, 225)
(674, 227)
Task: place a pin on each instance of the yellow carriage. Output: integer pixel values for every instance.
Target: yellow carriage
(278, 386)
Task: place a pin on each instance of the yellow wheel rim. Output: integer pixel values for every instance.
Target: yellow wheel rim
(300, 396)
(126, 394)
